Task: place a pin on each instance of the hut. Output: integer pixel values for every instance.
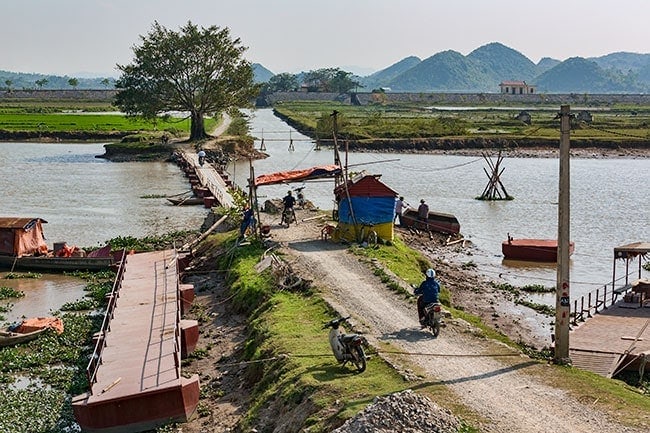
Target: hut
(22, 236)
(365, 204)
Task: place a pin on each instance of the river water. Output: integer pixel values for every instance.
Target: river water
(609, 200)
(88, 200)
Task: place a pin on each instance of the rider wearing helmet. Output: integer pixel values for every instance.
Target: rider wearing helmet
(428, 291)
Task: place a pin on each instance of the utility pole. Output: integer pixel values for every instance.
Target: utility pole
(562, 291)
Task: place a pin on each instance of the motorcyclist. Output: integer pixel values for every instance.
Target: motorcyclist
(288, 201)
(201, 156)
(429, 291)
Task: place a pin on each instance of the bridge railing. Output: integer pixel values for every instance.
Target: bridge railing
(96, 357)
(597, 300)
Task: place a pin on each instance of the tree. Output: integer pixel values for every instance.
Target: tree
(73, 82)
(9, 83)
(106, 82)
(330, 80)
(197, 70)
(42, 82)
(284, 82)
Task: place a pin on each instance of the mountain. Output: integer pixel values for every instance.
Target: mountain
(545, 64)
(579, 75)
(445, 71)
(385, 75)
(623, 61)
(502, 63)
(261, 74)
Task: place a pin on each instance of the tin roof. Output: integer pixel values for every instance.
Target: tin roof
(633, 249)
(18, 222)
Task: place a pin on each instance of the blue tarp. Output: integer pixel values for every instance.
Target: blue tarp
(368, 210)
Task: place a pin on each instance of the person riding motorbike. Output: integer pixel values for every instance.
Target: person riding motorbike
(429, 291)
(287, 213)
(201, 156)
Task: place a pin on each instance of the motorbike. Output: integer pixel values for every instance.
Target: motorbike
(432, 317)
(288, 216)
(347, 347)
(201, 160)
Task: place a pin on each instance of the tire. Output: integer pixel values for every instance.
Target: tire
(359, 358)
(435, 327)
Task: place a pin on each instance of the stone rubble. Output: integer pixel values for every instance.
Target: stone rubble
(406, 412)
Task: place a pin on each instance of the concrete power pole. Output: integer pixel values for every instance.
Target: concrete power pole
(562, 298)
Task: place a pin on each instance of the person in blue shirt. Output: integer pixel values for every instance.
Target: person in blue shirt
(429, 292)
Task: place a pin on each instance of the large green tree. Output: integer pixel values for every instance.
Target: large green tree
(196, 70)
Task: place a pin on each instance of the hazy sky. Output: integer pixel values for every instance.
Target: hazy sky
(70, 37)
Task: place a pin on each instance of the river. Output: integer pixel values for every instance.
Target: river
(88, 200)
(609, 200)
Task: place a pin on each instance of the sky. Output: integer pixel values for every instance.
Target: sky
(89, 37)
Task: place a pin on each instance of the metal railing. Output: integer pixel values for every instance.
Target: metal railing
(96, 357)
(596, 301)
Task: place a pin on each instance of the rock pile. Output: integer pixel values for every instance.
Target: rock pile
(406, 412)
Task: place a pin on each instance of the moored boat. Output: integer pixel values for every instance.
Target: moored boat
(22, 247)
(535, 250)
(187, 201)
(29, 330)
(437, 222)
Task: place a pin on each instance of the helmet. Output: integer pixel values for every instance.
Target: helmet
(289, 192)
(430, 273)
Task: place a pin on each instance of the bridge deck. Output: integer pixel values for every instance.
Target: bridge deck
(211, 179)
(599, 344)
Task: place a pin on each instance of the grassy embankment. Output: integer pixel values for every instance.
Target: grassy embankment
(374, 124)
(310, 381)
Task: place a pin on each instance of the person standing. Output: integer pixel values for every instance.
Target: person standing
(399, 209)
(423, 213)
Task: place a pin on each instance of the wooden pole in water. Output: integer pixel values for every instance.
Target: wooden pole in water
(562, 298)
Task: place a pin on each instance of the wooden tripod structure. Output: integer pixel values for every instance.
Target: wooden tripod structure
(494, 190)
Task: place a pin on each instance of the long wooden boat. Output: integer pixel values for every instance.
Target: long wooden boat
(535, 250)
(9, 338)
(55, 264)
(187, 201)
(437, 222)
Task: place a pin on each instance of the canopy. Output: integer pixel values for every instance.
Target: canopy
(317, 172)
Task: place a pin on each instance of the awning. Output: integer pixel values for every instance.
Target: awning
(317, 172)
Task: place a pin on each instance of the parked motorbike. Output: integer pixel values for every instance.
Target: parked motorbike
(288, 216)
(300, 196)
(346, 347)
(432, 317)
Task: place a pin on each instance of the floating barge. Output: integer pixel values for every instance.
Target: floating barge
(437, 222)
(533, 250)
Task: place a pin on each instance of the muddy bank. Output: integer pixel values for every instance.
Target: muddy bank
(54, 136)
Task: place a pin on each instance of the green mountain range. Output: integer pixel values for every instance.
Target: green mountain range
(484, 68)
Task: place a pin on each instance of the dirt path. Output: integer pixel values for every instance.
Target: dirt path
(488, 377)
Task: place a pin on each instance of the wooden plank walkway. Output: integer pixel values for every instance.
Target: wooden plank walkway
(602, 343)
(211, 179)
(140, 361)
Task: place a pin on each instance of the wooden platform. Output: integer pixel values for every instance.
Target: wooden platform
(210, 179)
(138, 380)
(612, 339)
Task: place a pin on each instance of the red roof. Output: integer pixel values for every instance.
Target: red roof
(17, 223)
(365, 186)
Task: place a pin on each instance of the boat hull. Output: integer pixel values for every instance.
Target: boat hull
(534, 250)
(56, 264)
(437, 222)
(13, 338)
(186, 201)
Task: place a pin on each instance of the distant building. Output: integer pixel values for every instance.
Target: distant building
(516, 88)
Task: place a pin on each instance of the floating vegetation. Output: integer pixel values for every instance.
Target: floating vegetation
(80, 305)
(17, 275)
(537, 288)
(152, 243)
(10, 292)
(153, 196)
(540, 308)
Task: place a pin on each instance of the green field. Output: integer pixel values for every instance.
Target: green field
(386, 122)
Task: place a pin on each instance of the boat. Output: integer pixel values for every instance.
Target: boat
(22, 247)
(437, 222)
(28, 330)
(535, 250)
(187, 201)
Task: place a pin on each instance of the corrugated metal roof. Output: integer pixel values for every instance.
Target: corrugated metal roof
(17, 222)
(365, 186)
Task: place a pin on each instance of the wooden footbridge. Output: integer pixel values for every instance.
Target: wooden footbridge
(612, 326)
(135, 370)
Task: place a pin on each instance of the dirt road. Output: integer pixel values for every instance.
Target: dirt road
(502, 386)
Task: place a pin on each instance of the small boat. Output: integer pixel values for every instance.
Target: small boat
(22, 247)
(187, 201)
(437, 222)
(535, 250)
(29, 329)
